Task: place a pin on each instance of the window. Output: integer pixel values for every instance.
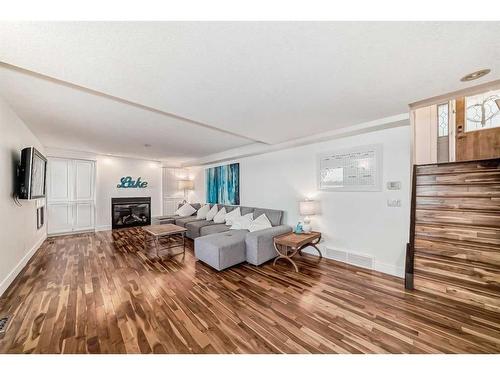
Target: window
(442, 113)
(482, 111)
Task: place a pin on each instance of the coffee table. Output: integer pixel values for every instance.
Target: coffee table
(289, 244)
(174, 234)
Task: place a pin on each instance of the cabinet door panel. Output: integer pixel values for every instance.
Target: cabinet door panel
(84, 180)
(59, 180)
(60, 218)
(84, 216)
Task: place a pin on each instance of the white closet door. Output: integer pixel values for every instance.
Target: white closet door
(84, 180)
(70, 195)
(83, 216)
(59, 180)
(59, 218)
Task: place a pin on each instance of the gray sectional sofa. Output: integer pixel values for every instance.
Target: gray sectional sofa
(221, 247)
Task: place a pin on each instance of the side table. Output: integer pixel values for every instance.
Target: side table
(289, 244)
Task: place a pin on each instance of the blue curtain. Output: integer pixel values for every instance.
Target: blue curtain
(223, 184)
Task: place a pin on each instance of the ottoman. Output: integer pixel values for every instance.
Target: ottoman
(221, 250)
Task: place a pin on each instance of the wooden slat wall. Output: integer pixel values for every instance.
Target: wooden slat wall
(456, 235)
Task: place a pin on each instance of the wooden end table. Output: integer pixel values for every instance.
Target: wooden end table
(174, 234)
(289, 244)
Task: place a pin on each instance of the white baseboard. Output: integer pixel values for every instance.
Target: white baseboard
(390, 269)
(101, 228)
(18, 268)
(72, 232)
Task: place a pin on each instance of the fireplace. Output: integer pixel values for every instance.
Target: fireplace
(130, 212)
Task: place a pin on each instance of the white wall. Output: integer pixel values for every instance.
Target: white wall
(357, 222)
(110, 169)
(19, 237)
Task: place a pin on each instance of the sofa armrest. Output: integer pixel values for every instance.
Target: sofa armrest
(259, 244)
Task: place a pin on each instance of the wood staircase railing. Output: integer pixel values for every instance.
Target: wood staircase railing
(454, 248)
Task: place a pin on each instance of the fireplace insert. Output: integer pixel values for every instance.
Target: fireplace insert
(130, 212)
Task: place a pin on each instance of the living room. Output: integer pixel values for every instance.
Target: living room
(169, 189)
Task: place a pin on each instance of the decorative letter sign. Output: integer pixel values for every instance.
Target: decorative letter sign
(127, 182)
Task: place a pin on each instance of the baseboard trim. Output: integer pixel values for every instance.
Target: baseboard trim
(19, 267)
(102, 228)
(389, 269)
(70, 233)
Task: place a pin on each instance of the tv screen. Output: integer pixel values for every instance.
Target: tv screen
(32, 173)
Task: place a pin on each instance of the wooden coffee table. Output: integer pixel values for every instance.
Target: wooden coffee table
(174, 234)
(289, 244)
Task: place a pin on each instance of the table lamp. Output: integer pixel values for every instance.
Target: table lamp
(306, 209)
(185, 185)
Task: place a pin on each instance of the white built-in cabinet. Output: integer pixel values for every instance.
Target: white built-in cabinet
(171, 194)
(70, 195)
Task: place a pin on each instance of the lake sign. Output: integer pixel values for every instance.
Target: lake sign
(128, 183)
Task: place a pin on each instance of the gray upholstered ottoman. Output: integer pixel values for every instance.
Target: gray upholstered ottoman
(221, 250)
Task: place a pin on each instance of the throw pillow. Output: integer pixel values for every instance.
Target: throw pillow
(202, 212)
(262, 222)
(243, 222)
(185, 210)
(232, 216)
(221, 216)
(211, 214)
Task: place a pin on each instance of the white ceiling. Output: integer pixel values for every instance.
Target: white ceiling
(268, 82)
(68, 118)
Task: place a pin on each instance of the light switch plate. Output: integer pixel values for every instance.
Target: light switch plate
(394, 185)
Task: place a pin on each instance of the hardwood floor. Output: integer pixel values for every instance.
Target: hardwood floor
(98, 293)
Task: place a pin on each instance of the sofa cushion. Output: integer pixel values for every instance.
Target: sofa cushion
(213, 211)
(185, 210)
(233, 215)
(184, 220)
(194, 227)
(260, 244)
(221, 250)
(246, 210)
(274, 216)
(262, 222)
(221, 216)
(202, 212)
(196, 206)
(229, 208)
(243, 222)
(215, 228)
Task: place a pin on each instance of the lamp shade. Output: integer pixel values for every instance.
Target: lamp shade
(307, 208)
(185, 184)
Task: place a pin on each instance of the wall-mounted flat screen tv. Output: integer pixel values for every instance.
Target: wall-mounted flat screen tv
(32, 174)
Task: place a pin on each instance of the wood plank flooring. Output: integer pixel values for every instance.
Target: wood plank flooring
(99, 293)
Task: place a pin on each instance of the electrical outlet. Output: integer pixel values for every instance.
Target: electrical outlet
(394, 203)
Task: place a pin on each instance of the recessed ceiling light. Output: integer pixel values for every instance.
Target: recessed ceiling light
(147, 145)
(475, 75)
